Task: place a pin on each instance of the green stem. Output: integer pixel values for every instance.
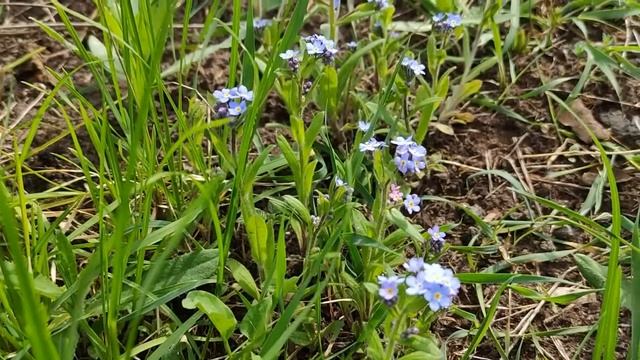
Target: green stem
(394, 334)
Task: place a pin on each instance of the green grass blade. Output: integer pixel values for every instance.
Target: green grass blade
(606, 338)
(635, 293)
(32, 310)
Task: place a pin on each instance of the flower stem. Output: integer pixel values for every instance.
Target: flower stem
(394, 334)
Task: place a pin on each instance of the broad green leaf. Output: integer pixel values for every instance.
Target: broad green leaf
(471, 88)
(375, 351)
(254, 324)
(258, 237)
(399, 220)
(427, 347)
(328, 91)
(243, 277)
(220, 315)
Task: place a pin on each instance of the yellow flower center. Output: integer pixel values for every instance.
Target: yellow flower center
(437, 296)
(389, 291)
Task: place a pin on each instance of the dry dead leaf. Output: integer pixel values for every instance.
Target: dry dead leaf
(566, 118)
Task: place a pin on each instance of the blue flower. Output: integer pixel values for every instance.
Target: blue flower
(352, 45)
(371, 145)
(289, 54)
(414, 265)
(222, 95)
(410, 157)
(413, 66)
(416, 284)
(403, 144)
(320, 47)
(336, 4)
(453, 20)
(259, 24)
(419, 164)
(364, 126)
(404, 164)
(438, 296)
(237, 108)
(436, 284)
(412, 203)
(417, 68)
(406, 61)
(417, 150)
(388, 288)
(436, 234)
(241, 92)
(380, 4)
(451, 282)
(340, 182)
(447, 21)
(438, 18)
(437, 238)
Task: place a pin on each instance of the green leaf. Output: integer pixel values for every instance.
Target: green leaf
(421, 355)
(399, 220)
(375, 351)
(219, 313)
(470, 88)
(482, 278)
(365, 241)
(190, 268)
(254, 324)
(243, 277)
(563, 299)
(258, 236)
(425, 346)
(593, 272)
(328, 91)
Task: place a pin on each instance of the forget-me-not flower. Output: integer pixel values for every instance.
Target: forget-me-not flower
(241, 92)
(438, 296)
(260, 24)
(414, 265)
(371, 145)
(448, 21)
(402, 144)
(388, 290)
(380, 4)
(222, 95)
(395, 195)
(412, 203)
(415, 284)
(409, 157)
(292, 58)
(437, 238)
(413, 67)
(289, 54)
(321, 47)
(364, 126)
(237, 108)
(404, 164)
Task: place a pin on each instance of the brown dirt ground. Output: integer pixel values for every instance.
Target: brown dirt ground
(490, 142)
